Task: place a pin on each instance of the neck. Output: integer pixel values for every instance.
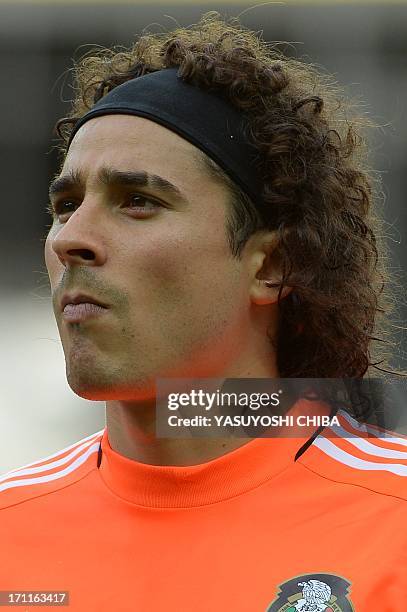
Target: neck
(131, 427)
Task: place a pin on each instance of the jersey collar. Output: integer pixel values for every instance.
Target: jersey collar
(230, 475)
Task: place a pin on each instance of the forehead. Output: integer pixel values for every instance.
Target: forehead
(133, 143)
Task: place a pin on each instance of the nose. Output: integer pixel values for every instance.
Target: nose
(78, 242)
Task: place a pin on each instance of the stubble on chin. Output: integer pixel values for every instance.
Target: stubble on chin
(96, 378)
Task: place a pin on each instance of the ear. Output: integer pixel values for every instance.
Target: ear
(266, 269)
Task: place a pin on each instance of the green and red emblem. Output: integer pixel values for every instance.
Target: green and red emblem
(313, 593)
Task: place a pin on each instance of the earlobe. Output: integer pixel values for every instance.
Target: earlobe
(267, 270)
(266, 292)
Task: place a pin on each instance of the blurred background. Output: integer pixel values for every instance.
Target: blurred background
(364, 44)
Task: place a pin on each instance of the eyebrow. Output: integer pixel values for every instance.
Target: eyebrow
(63, 183)
(116, 178)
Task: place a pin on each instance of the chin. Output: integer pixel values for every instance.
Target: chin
(103, 390)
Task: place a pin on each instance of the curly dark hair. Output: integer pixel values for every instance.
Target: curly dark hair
(318, 186)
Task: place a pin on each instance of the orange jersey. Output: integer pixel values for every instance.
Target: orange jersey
(251, 531)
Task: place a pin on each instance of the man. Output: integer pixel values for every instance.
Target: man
(212, 219)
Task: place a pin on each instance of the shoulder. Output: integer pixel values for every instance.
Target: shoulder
(51, 473)
(364, 455)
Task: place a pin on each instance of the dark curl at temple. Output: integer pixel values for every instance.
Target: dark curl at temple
(319, 189)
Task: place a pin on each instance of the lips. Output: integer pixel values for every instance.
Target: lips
(79, 307)
(80, 298)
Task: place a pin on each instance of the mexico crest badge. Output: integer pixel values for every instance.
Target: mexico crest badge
(313, 593)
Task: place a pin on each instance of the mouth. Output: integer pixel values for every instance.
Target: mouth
(80, 307)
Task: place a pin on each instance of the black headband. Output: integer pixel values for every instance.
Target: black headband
(203, 118)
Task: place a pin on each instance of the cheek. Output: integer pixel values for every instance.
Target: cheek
(184, 279)
(51, 261)
(174, 260)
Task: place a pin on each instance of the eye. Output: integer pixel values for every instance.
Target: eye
(140, 203)
(61, 209)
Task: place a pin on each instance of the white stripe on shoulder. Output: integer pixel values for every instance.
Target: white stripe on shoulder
(49, 477)
(341, 456)
(49, 466)
(367, 447)
(364, 427)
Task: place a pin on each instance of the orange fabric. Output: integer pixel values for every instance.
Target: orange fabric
(220, 536)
